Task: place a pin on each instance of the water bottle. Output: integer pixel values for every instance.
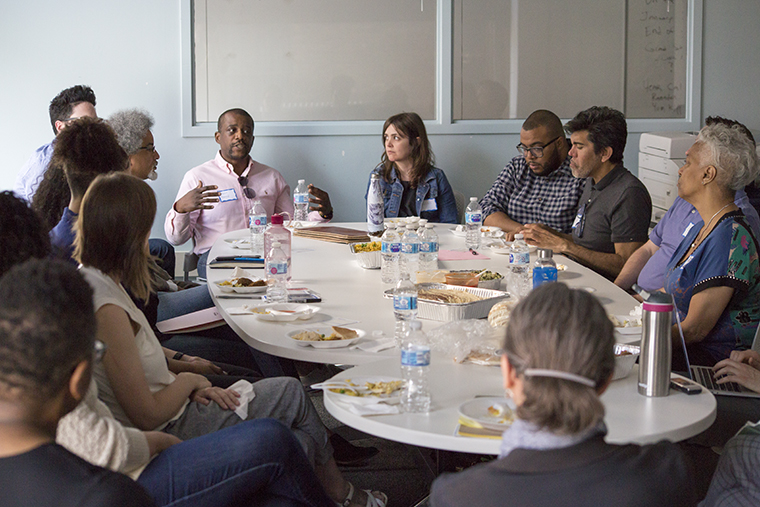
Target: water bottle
(375, 207)
(409, 260)
(301, 202)
(390, 248)
(428, 248)
(656, 346)
(421, 226)
(473, 217)
(415, 365)
(545, 269)
(404, 306)
(277, 270)
(257, 223)
(519, 267)
(276, 231)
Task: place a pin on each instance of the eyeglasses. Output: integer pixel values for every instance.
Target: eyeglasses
(536, 151)
(150, 148)
(98, 351)
(248, 192)
(73, 118)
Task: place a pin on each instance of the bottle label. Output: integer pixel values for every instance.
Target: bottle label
(420, 356)
(429, 247)
(301, 198)
(519, 258)
(410, 248)
(396, 248)
(390, 247)
(257, 221)
(277, 268)
(472, 218)
(544, 274)
(404, 302)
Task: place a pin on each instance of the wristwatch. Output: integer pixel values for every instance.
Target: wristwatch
(326, 216)
(178, 355)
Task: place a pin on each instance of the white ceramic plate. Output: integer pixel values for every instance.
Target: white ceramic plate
(477, 410)
(627, 329)
(242, 290)
(325, 330)
(288, 312)
(368, 399)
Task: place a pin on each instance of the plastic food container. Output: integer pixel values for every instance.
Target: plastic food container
(624, 363)
(465, 279)
(367, 260)
(445, 312)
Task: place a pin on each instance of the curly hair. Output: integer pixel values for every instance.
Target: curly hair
(52, 196)
(131, 126)
(606, 127)
(23, 233)
(559, 328)
(411, 126)
(47, 326)
(731, 151)
(63, 103)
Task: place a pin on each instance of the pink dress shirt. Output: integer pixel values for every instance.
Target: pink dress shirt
(205, 226)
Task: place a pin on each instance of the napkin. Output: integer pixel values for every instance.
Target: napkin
(242, 310)
(460, 255)
(240, 272)
(245, 390)
(376, 345)
(378, 408)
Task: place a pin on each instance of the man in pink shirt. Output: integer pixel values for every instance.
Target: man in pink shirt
(215, 197)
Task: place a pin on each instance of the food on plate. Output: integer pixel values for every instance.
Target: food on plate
(623, 353)
(242, 282)
(345, 390)
(625, 322)
(339, 333)
(483, 358)
(384, 387)
(501, 411)
(499, 314)
(496, 410)
(447, 296)
(379, 388)
(488, 275)
(373, 246)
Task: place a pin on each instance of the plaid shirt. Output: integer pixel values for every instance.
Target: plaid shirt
(527, 198)
(736, 481)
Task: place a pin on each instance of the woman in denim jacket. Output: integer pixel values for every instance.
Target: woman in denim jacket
(410, 184)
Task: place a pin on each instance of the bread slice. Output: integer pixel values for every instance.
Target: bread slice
(345, 333)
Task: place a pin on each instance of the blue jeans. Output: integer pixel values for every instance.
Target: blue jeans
(256, 462)
(165, 253)
(202, 261)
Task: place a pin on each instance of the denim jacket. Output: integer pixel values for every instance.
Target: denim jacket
(435, 199)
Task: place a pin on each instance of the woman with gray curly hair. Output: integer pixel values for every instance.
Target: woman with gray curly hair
(558, 359)
(132, 127)
(714, 274)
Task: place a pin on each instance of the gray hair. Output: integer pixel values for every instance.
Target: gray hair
(732, 153)
(131, 125)
(562, 329)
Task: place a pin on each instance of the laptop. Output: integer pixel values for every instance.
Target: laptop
(704, 375)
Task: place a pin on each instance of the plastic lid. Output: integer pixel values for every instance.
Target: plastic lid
(301, 181)
(415, 325)
(473, 199)
(517, 236)
(545, 253)
(429, 226)
(423, 221)
(277, 219)
(410, 227)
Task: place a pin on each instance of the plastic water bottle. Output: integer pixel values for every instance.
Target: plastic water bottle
(421, 226)
(409, 261)
(375, 207)
(390, 248)
(429, 249)
(415, 364)
(404, 306)
(301, 202)
(545, 269)
(257, 223)
(276, 231)
(277, 270)
(519, 266)
(473, 217)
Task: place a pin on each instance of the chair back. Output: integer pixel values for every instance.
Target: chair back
(459, 199)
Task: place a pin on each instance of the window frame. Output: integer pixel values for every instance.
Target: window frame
(444, 124)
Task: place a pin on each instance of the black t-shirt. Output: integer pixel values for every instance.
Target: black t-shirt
(408, 206)
(52, 476)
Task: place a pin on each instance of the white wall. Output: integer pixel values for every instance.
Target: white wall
(129, 52)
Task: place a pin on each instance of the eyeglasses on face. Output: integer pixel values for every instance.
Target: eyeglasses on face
(536, 151)
(150, 148)
(248, 192)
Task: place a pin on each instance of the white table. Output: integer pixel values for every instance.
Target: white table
(630, 417)
(352, 292)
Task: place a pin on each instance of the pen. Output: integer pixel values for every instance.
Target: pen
(473, 252)
(256, 258)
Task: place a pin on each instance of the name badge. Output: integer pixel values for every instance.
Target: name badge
(688, 228)
(429, 205)
(227, 195)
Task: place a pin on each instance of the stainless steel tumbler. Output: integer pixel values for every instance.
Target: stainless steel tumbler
(656, 346)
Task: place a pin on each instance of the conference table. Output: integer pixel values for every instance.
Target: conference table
(355, 296)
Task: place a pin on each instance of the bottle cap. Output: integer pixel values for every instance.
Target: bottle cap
(473, 199)
(410, 227)
(415, 325)
(423, 221)
(301, 181)
(277, 219)
(429, 226)
(519, 236)
(545, 253)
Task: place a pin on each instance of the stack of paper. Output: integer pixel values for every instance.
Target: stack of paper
(332, 234)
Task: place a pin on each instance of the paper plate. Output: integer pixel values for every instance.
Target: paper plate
(288, 312)
(628, 329)
(325, 330)
(242, 244)
(477, 411)
(506, 250)
(242, 290)
(368, 398)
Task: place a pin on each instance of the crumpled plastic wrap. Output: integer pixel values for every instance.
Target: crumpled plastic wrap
(472, 340)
